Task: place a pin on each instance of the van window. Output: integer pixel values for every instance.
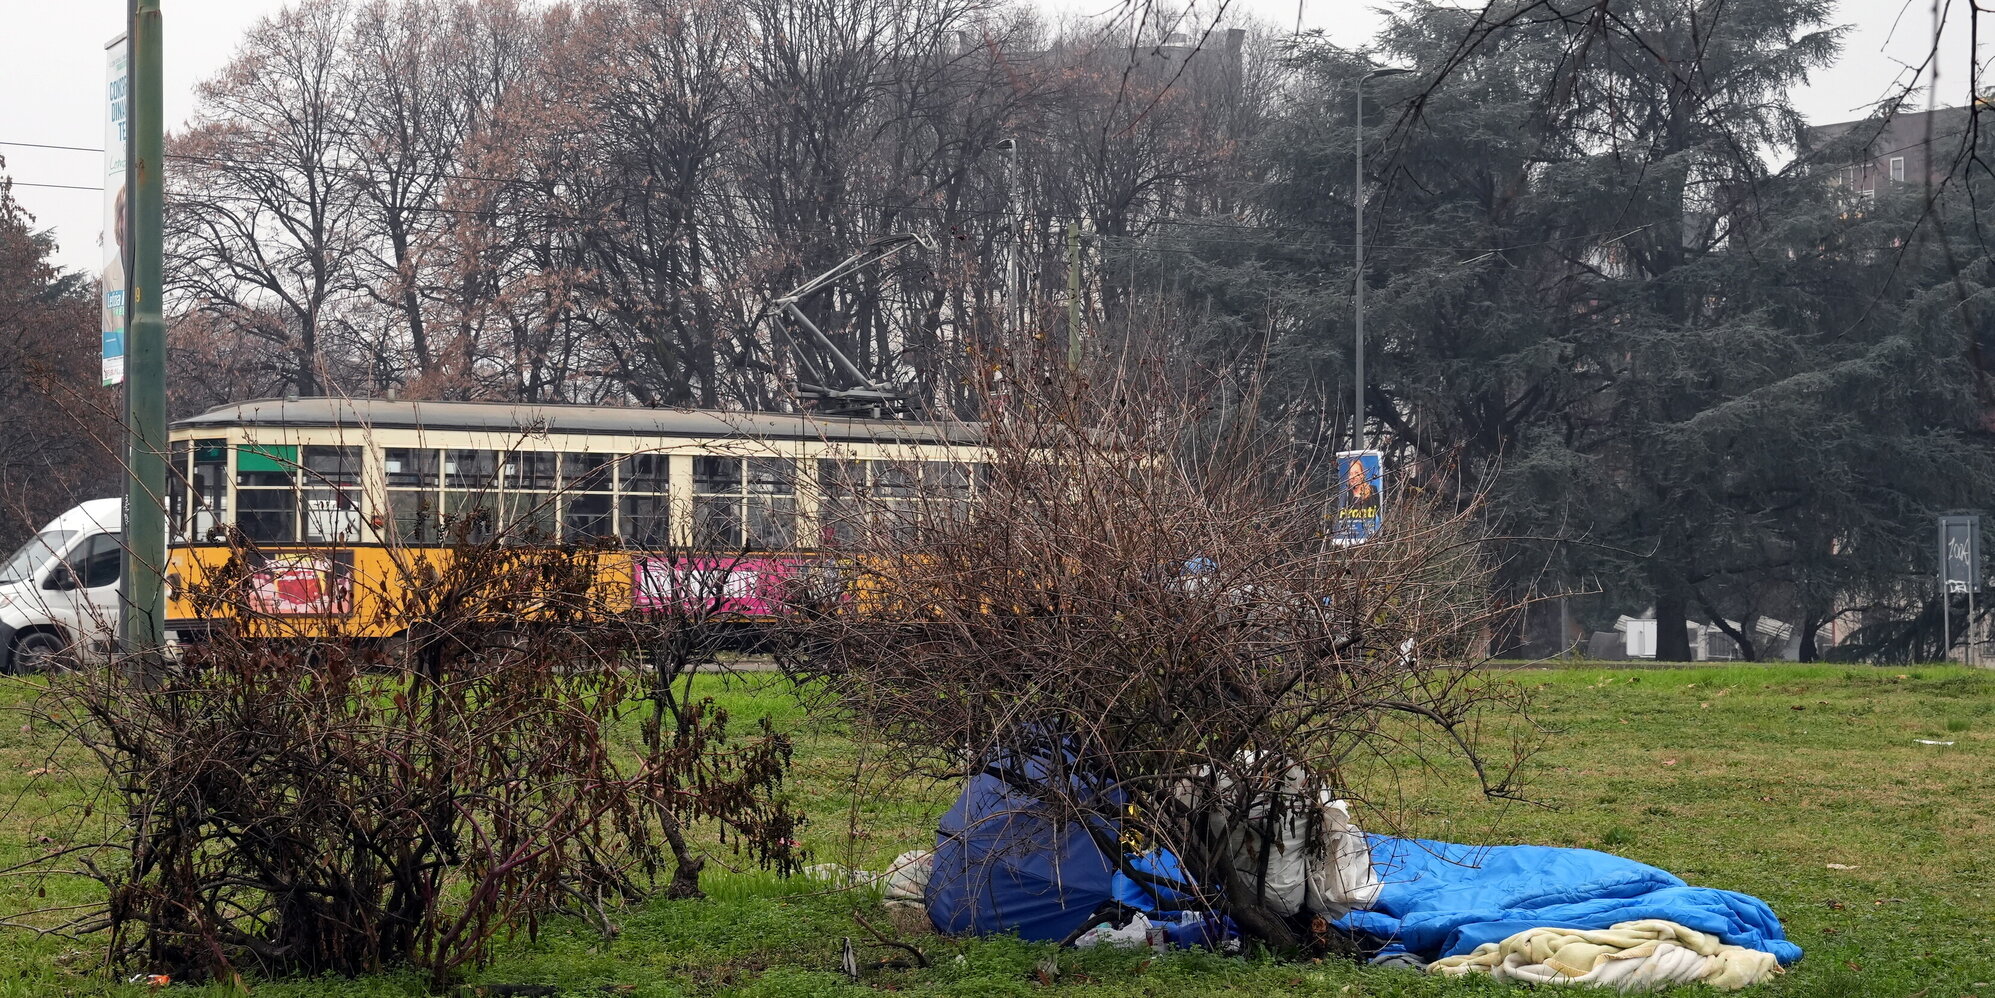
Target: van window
(22, 564)
(96, 561)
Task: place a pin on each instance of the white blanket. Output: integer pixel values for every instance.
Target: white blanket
(1631, 956)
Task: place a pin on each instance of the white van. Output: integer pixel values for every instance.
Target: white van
(59, 592)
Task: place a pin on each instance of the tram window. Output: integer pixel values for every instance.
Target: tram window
(210, 487)
(176, 490)
(744, 502)
(585, 472)
(716, 475)
(415, 516)
(769, 502)
(268, 515)
(530, 496)
(586, 516)
(643, 484)
(772, 522)
(530, 517)
(717, 523)
(409, 468)
(334, 465)
(840, 483)
(646, 473)
(841, 477)
(894, 479)
(266, 499)
(470, 469)
(896, 495)
(647, 521)
(947, 478)
(531, 470)
(950, 483)
(772, 476)
(411, 476)
(585, 496)
(468, 515)
(332, 494)
(266, 466)
(332, 514)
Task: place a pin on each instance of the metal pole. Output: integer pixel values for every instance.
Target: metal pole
(145, 379)
(1358, 270)
(1946, 618)
(1358, 252)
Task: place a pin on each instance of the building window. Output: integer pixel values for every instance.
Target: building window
(1897, 169)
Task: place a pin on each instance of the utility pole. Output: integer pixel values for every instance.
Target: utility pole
(1358, 250)
(1073, 296)
(145, 377)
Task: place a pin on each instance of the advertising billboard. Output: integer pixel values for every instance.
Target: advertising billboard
(112, 291)
(1360, 497)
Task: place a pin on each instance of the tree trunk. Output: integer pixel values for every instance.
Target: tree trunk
(1808, 652)
(1672, 617)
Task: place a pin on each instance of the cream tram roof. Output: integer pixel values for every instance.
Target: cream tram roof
(514, 417)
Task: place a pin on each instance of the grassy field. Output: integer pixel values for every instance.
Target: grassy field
(1804, 785)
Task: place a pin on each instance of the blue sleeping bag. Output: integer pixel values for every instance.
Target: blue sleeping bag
(1442, 899)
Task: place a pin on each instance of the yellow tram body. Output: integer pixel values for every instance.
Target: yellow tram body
(327, 517)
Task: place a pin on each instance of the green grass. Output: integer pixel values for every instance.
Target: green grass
(1804, 785)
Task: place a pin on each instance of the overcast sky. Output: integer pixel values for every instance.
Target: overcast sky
(52, 75)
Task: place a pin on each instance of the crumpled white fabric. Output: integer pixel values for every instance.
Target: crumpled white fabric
(1330, 879)
(1134, 935)
(1341, 877)
(1629, 956)
(906, 878)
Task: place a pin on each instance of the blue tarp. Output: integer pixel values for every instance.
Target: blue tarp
(1003, 864)
(1148, 895)
(1442, 899)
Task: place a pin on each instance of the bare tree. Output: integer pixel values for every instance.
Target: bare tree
(596, 201)
(262, 220)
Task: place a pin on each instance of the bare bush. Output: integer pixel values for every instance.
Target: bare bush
(1148, 606)
(325, 804)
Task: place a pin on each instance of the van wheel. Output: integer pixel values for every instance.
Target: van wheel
(41, 651)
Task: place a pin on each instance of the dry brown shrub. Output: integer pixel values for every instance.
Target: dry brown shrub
(327, 804)
(1147, 602)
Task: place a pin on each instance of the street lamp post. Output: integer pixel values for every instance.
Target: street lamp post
(1358, 242)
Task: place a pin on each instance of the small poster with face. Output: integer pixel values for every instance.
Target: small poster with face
(1360, 497)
